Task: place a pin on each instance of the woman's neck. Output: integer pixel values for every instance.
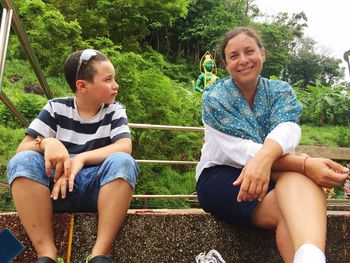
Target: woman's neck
(249, 90)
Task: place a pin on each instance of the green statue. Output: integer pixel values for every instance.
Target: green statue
(208, 72)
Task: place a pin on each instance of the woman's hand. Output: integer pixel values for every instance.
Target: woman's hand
(255, 176)
(325, 172)
(254, 179)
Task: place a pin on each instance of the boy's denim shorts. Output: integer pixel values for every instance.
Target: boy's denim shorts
(218, 196)
(87, 183)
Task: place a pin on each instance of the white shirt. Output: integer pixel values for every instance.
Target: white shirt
(223, 149)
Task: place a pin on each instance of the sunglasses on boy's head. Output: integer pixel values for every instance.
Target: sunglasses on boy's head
(85, 56)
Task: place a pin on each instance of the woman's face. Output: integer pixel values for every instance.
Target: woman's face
(244, 60)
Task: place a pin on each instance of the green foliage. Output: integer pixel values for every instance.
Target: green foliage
(164, 182)
(9, 140)
(6, 201)
(280, 36)
(28, 105)
(51, 37)
(327, 135)
(306, 66)
(156, 86)
(324, 105)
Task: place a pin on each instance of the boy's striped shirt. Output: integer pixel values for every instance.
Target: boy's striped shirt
(60, 119)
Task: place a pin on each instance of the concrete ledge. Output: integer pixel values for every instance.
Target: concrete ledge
(176, 236)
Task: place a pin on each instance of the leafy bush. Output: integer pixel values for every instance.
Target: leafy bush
(28, 105)
(324, 105)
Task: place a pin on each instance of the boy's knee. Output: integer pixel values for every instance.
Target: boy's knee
(121, 165)
(28, 164)
(24, 157)
(122, 159)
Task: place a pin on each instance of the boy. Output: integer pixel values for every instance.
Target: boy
(77, 151)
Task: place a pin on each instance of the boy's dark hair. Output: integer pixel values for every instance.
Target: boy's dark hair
(87, 69)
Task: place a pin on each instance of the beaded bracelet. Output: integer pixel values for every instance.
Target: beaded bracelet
(38, 140)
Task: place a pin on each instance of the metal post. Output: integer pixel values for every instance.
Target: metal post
(18, 28)
(347, 59)
(4, 37)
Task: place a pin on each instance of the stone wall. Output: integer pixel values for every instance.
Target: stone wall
(176, 236)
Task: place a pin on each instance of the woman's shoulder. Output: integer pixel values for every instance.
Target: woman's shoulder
(275, 85)
(219, 85)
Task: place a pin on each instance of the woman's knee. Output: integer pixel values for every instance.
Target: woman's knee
(294, 180)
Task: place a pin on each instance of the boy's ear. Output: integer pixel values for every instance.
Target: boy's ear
(81, 86)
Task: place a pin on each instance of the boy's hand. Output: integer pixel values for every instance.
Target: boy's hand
(76, 164)
(56, 157)
(60, 186)
(325, 172)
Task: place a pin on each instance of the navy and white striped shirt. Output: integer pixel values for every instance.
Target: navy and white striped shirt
(60, 119)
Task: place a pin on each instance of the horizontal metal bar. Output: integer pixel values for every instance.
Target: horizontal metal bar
(164, 196)
(165, 127)
(167, 162)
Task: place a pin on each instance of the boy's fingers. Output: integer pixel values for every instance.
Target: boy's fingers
(67, 168)
(48, 168)
(55, 190)
(63, 187)
(71, 182)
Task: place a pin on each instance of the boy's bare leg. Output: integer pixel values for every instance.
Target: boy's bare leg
(113, 203)
(34, 208)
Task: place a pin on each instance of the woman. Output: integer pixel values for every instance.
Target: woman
(248, 173)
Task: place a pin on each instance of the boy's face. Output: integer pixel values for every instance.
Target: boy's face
(104, 88)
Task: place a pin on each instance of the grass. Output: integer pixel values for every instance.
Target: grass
(332, 136)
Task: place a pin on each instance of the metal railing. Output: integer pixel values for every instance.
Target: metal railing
(10, 17)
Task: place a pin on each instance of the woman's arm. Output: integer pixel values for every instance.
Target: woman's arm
(240, 151)
(322, 171)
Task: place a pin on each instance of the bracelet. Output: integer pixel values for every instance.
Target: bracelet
(38, 140)
(303, 165)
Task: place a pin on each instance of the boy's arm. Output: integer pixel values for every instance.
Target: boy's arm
(55, 154)
(29, 143)
(99, 155)
(89, 158)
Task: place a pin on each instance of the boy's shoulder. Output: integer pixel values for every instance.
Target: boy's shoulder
(64, 100)
(116, 105)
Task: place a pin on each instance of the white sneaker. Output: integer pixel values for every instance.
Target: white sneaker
(211, 257)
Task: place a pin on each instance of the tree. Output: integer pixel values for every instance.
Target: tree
(307, 66)
(199, 31)
(280, 36)
(51, 37)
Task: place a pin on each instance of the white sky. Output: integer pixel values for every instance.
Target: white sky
(328, 22)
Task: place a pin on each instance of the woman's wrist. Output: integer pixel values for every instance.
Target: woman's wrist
(303, 164)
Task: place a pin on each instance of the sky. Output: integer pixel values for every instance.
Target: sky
(328, 22)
